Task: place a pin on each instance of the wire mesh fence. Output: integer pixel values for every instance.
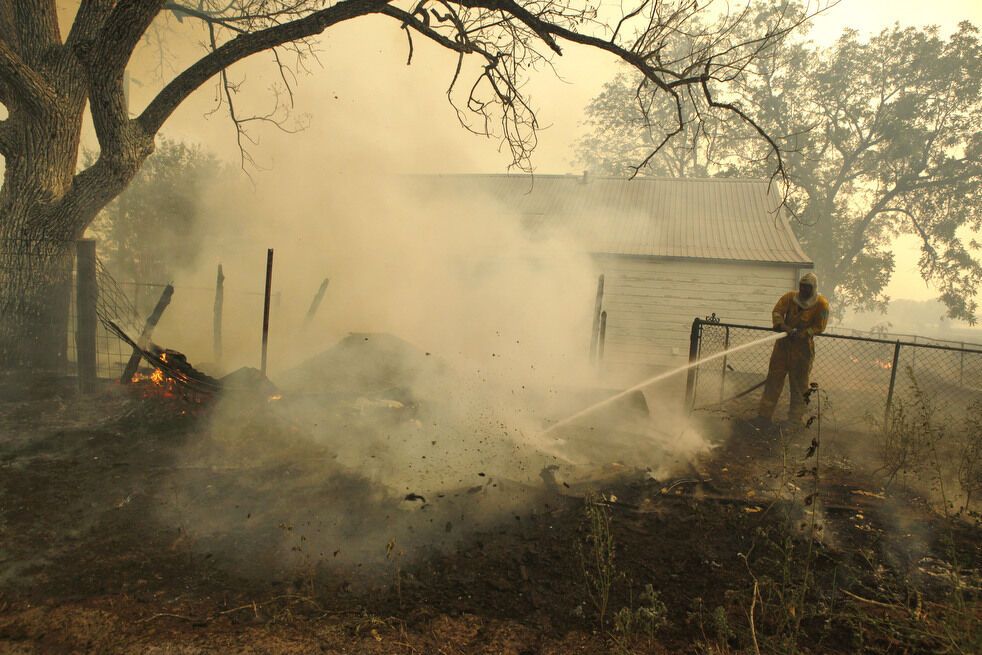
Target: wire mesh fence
(114, 305)
(864, 378)
(39, 284)
(35, 286)
(38, 310)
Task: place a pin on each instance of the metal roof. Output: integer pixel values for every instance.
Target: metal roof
(704, 218)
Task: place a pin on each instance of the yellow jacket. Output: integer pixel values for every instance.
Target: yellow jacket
(811, 320)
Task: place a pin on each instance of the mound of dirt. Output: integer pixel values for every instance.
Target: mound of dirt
(364, 364)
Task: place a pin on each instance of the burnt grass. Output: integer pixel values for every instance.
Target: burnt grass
(88, 563)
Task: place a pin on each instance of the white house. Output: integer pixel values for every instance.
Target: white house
(670, 250)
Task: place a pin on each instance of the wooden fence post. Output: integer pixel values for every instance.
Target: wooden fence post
(217, 317)
(722, 377)
(598, 305)
(86, 317)
(269, 284)
(690, 379)
(893, 384)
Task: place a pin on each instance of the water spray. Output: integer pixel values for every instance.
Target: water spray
(658, 378)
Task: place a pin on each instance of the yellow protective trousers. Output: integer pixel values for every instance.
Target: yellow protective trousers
(792, 358)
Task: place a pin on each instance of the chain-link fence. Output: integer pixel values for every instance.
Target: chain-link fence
(863, 377)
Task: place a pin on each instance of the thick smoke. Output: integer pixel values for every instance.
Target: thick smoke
(413, 405)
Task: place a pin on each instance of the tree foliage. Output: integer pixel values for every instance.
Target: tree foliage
(881, 138)
(153, 228)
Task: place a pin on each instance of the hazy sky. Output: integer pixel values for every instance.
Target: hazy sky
(368, 111)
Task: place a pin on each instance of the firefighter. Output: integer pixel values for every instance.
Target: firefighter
(801, 314)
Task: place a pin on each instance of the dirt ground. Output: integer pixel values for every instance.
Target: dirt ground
(756, 549)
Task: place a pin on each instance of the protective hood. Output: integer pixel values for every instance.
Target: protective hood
(811, 280)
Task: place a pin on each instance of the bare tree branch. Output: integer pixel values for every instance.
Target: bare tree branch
(507, 35)
(713, 102)
(242, 46)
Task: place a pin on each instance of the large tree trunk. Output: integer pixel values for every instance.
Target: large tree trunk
(37, 234)
(44, 208)
(45, 203)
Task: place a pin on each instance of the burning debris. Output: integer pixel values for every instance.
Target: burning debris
(171, 376)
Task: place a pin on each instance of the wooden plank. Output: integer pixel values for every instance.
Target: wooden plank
(316, 302)
(629, 264)
(673, 282)
(685, 312)
(667, 301)
(708, 277)
(144, 339)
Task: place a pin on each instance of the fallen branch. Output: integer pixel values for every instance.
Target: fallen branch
(870, 601)
(753, 627)
(168, 615)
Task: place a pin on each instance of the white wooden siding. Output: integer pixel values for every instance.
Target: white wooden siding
(651, 303)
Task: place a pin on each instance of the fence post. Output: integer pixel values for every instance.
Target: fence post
(595, 333)
(961, 366)
(893, 383)
(603, 335)
(690, 381)
(216, 320)
(86, 317)
(722, 377)
(269, 284)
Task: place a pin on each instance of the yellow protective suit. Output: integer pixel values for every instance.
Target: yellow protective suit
(793, 355)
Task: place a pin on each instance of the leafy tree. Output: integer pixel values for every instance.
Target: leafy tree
(48, 82)
(150, 230)
(880, 137)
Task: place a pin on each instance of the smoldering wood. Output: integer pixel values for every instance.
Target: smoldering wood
(316, 302)
(174, 365)
(217, 319)
(148, 328)
(269, 284)
(86, 317)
